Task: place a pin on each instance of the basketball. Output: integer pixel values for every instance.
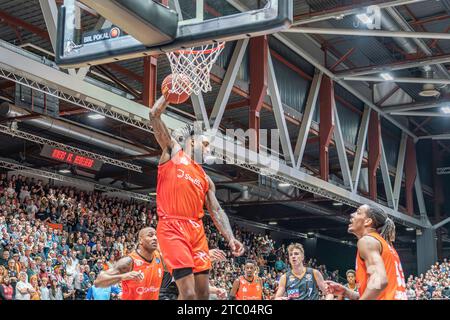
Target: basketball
(174, 97)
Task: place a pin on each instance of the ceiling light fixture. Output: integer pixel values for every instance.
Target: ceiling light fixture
(387, 76)
(445, 110)
(284, 184)
(338, 204)
(96, 116)
(273, 223)
(64, 171)
(364, 18)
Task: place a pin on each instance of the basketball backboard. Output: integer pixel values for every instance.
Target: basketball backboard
(92, 32)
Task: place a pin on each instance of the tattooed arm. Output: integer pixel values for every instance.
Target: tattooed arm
(169, 146)
(221, 221)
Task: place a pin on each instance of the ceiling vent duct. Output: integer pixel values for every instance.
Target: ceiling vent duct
(428, 89)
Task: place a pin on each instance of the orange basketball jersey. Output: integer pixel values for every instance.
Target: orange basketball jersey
(181, 190)
(249, 290)
(396, 288)
(147, 289)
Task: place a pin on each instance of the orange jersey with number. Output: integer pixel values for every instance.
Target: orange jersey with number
(396, 288)
(181, 190)
(147, 289)
(249, 290)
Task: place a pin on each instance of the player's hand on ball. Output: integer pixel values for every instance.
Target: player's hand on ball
(216, 255)
(134, 275)
(334, 288)
(236, 247)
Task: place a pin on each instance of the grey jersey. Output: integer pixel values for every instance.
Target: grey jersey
(304, 288)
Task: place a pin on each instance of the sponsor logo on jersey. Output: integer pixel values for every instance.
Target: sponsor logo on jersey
(157, 260)
(202, 256)
(143, 290)
(182, 175)
(293, 293)
(308, 277)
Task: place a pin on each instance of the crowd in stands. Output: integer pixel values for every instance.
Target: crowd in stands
(435, 284)
(54, 241)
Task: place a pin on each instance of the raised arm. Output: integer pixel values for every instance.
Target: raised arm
(162, 134)
(221, 221)
(120, 272)
(370, 251)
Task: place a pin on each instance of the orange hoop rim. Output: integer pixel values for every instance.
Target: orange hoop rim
(206, 51)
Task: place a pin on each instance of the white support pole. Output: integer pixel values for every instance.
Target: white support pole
(442, 223)
(386, 178)
(278, 111)
(50, 13)
(360, 147)
(340, 147)
(419, 196)
(228, 82)
(308, 114)
(399, 170)
(369, 33)
(199, 109)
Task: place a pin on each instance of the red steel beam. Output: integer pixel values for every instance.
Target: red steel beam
(150, 78)
(237, 105)
(348, 105)
(6, 84)
(294, 68)
(410, 175)
(326, 125)
(124, 71)
(23, 24)
(430, 19)
(342, 59)
(258, 56)
(73, 112)
(420, 125)
(374, 146)
(388, 95)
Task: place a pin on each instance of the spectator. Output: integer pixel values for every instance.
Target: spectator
(37, 292)
(6, 289)
(24, 289)
(44, 290)
(108, 293)
(56, 290)
(80, 249)
(4, 259)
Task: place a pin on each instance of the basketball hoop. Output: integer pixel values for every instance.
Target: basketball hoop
(194, 64)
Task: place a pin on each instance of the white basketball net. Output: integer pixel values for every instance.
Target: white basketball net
(194, 64)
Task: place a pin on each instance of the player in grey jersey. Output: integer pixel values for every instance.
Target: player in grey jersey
(301, 283)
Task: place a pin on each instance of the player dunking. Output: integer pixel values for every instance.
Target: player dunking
(140, 273)
(182, 191)
(379, 273)
(249, 286)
